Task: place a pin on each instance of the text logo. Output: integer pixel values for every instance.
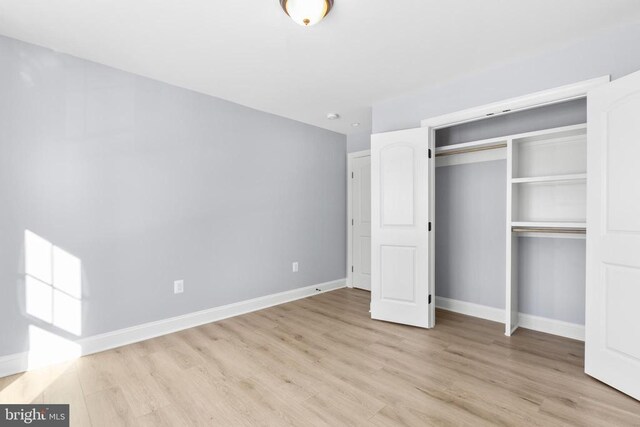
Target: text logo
(34, 415)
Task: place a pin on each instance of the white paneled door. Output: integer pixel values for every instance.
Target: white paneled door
(400, 199)
(612, 347)
(361, 209)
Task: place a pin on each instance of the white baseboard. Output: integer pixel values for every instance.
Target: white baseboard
(19, 362)
(527, 321)
(471, 309)
(551, 326)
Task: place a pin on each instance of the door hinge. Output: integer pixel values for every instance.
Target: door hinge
(429, 298)
(352, 268)
(429, 152)
(351, 175)
(352, 223)
(429, 225)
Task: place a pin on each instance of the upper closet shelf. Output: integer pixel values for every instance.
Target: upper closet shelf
(551, 178)
(469, 147)
(544, 136)
(551, 135)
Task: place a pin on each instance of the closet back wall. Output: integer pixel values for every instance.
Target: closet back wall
(471, 221)
(146, 183)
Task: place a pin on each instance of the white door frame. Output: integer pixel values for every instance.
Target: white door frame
(513, 105)
(350, 158)
(534, 100)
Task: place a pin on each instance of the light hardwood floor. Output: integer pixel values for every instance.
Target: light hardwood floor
(323, 361)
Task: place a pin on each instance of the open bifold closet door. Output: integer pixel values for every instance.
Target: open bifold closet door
(401, 186)
(612, 347)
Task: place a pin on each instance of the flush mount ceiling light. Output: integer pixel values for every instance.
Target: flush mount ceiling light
(333, 116)
(307, 12)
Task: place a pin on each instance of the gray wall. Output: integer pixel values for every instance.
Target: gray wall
(551, 278)
(147, 183)
(611, 52)
(470, 227)
(470, 232)
(358, 142)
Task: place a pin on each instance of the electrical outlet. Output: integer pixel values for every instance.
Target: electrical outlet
(178, 286)
(294, 267)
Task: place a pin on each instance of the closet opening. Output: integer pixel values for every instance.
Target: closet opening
(510, 212)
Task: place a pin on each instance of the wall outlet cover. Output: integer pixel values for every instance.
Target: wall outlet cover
(178, 286)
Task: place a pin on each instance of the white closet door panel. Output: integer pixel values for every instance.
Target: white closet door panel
(622, 296)
(400, 227)
(397, 181)
(612, 351)
(623, 154)
(398, 272)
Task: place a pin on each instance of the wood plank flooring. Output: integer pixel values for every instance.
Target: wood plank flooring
(322, 361)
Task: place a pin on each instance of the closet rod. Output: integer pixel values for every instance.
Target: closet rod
(549, 230)
(472, 149)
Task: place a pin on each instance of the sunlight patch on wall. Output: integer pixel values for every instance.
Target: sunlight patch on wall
(38, 257)
(39, 299)
(67, 273)
(53, 284)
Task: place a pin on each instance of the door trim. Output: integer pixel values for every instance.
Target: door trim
(350, 158)
(513, 105)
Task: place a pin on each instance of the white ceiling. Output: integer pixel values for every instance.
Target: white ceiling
(250, 52)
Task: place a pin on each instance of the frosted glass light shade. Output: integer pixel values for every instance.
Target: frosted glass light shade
(307, 12)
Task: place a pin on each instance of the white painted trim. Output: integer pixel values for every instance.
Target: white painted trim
(512, 105)
(471, 309)
(511, 248)
(472, 144)
(355, 154)
(473, 157)
(551, 178)
(350, 158)
(527, 321)
(13, 364)
(431, 145)
(551, 326)
(16, 363)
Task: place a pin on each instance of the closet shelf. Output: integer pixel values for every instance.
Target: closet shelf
(551, 178)
(468, 147)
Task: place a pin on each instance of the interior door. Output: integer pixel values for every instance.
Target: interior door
(400, 257)
(361, 208)
(612, 347)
